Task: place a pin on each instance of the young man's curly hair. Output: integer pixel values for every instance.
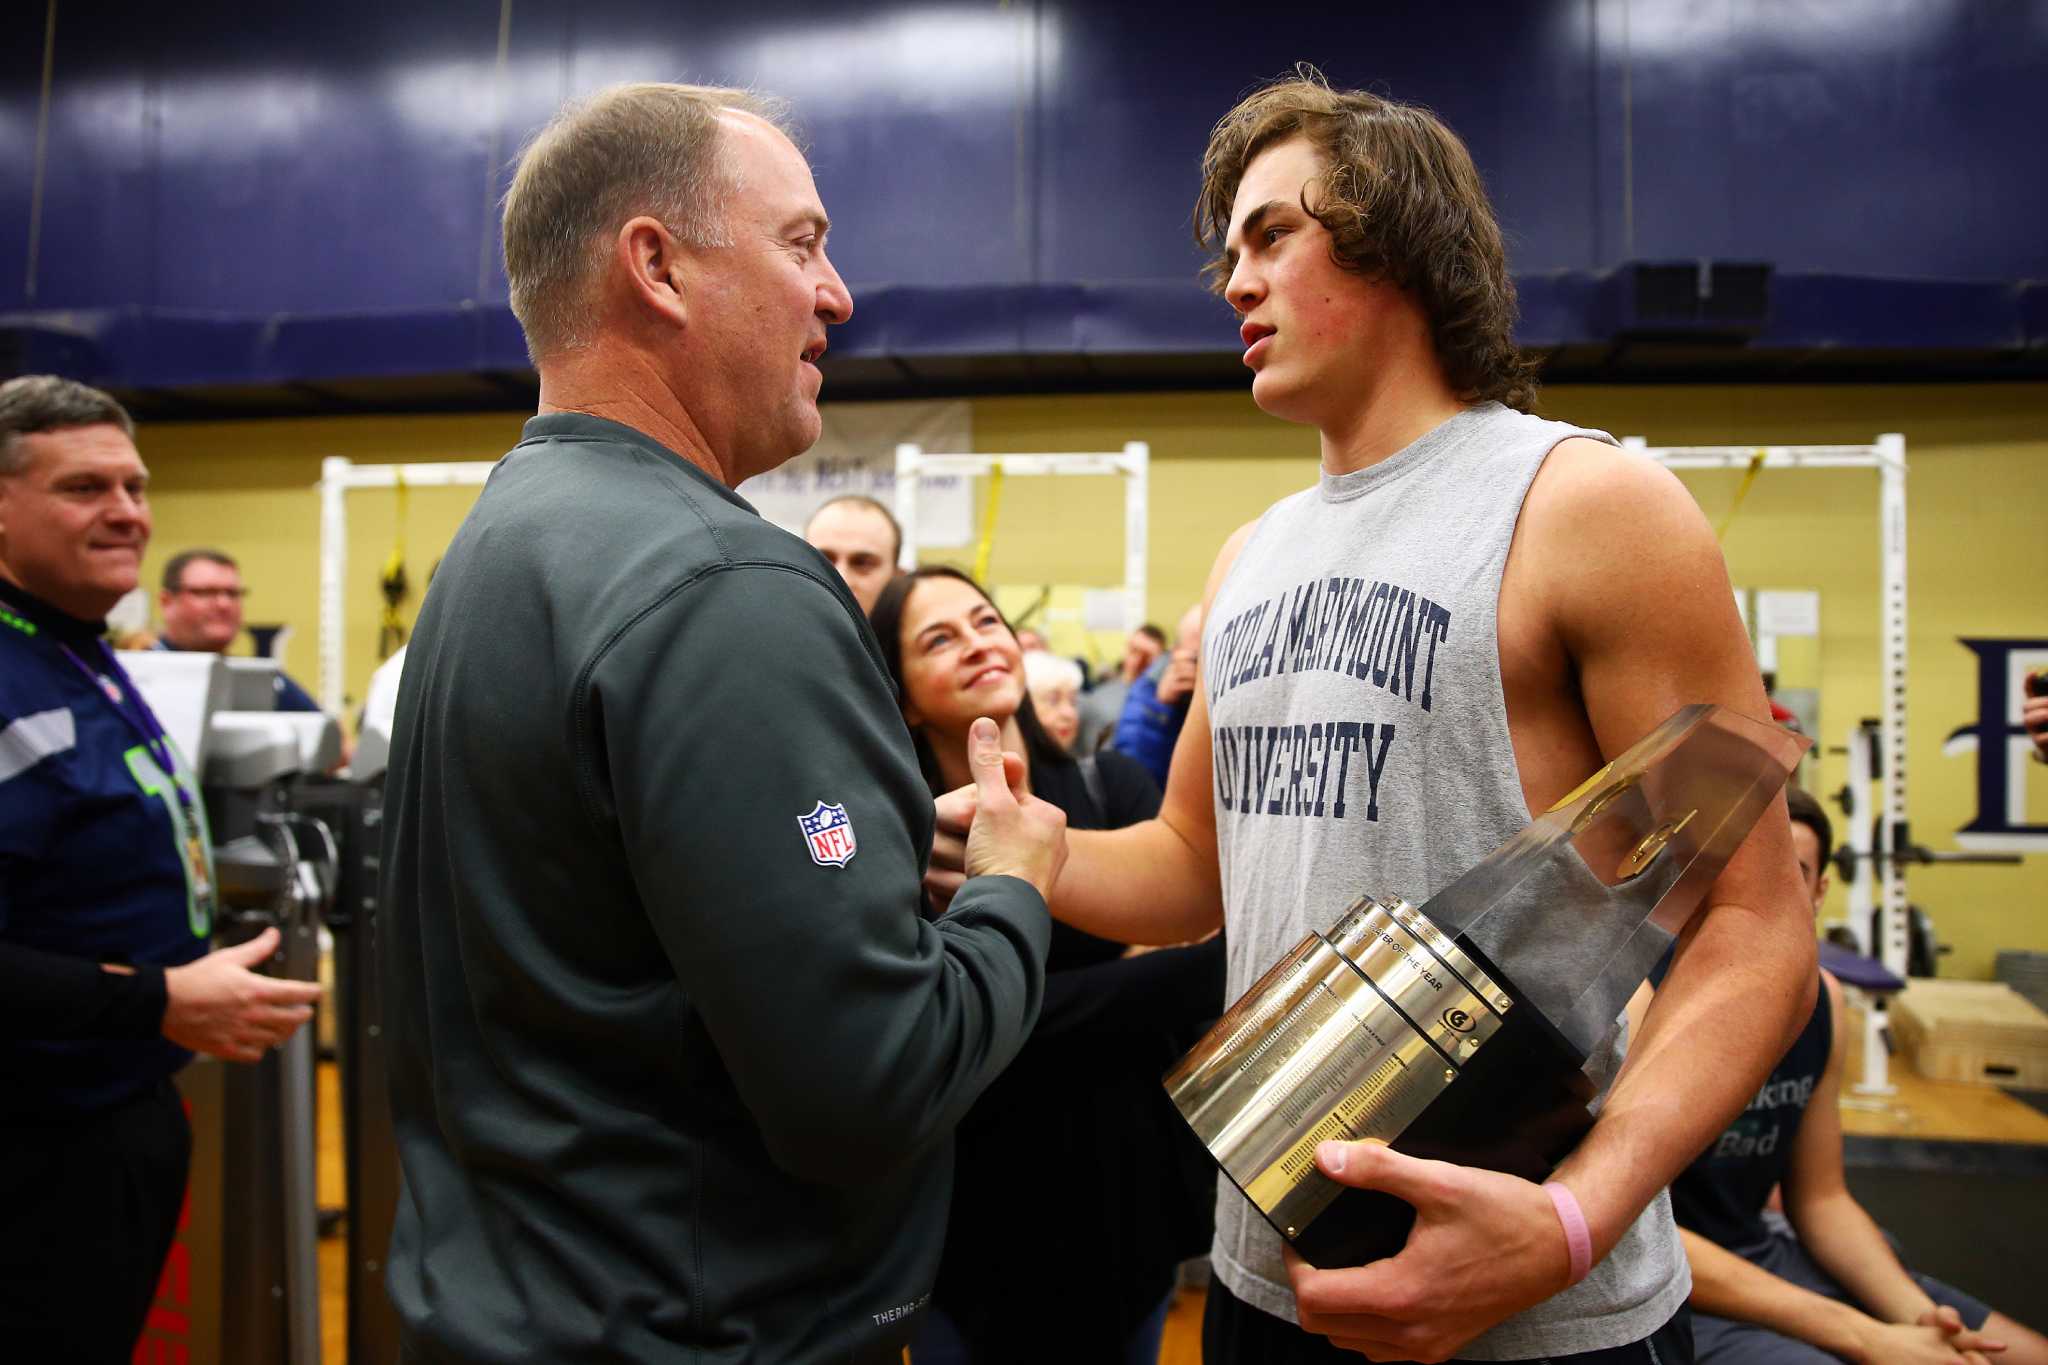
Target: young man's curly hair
(1402, 202)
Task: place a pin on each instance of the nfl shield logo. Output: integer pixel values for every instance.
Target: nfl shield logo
(829, 833)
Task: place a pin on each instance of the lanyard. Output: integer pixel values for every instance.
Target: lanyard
(119, 690)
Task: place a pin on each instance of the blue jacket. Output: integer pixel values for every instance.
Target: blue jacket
(93, 869)
(1148, 728)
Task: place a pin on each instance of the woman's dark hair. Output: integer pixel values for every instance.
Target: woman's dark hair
(887, 620)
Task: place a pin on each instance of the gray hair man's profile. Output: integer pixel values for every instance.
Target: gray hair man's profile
(682, 1058)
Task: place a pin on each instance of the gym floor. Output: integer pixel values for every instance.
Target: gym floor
(1947, 1168)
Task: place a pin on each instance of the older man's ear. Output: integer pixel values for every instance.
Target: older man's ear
(654, 267)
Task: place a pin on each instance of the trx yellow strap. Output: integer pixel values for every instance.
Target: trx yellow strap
(988, 525)
(1756, 467)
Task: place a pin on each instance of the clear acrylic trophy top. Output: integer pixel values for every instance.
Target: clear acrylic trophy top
(1578, 907)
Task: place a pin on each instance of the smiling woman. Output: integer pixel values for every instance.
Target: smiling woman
(955, 658)
(1074, 1183)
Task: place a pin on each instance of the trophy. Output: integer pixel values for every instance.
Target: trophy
(1459, 1030)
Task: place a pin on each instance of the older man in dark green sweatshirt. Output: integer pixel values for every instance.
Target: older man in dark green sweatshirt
(676, 1058)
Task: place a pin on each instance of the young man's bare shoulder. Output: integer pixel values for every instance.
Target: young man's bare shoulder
(1585, 477)
(1596, 507)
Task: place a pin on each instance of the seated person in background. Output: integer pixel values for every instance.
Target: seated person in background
(1157, 705)
(1104, 702)
(859, 537)
(1055, 687)
(1077, 1191)
(1830, 1287)
(380, 698)
(201, 604)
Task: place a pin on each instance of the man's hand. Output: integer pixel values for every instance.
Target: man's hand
(1891, 1343)
(948, 866)
(955, 816)
(1177, 679)
(2034, 717)
(1973, 1347)
(1484, 1247)
(1014, 834)
(218, 1006)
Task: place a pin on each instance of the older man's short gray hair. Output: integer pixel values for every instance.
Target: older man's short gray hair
(47, 402)
(628, 150)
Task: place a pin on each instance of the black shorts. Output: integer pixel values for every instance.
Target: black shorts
(1235, 1333)
(87, 1212)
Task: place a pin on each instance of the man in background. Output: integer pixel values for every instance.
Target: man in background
(1157, 704)
(860, 538)
(107, 986)
(201, 606)
(1104, 702)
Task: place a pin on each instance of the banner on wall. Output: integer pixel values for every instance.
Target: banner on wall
(857, 454)
(2004, 753)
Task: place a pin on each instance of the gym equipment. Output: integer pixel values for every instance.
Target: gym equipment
(1132, 464)
(352, 810)
(242, 1283)
(1860, 862)
(1887, 455)
(338, 476)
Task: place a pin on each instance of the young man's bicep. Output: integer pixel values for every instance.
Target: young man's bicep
(1641, 602)
(1188, 807)
(1649, 622)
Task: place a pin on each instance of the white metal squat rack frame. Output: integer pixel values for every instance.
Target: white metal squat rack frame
(1887, 455)
(1132, 463)
(339, 476)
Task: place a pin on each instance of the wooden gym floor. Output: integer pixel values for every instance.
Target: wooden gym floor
(1928, 1111)
(1933, 1111)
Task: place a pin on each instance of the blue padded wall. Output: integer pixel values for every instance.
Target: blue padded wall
(231, 199)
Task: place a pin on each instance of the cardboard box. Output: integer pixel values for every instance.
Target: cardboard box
(1979, 1031)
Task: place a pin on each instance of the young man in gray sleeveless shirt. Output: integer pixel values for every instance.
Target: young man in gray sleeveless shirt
(1468, 614)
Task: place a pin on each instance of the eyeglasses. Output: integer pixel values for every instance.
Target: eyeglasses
(215, 594)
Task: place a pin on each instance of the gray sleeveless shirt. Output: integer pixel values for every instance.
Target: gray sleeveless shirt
(1360, 744)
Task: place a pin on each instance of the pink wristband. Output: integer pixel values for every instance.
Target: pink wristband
(1578, 1239)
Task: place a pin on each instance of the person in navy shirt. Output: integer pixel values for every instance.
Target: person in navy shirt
(1821, 1281)
(106, 901)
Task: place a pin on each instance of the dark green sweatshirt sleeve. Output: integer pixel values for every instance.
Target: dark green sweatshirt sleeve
(855, 1032)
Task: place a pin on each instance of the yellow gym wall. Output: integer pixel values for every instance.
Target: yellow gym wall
(1978, 500)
